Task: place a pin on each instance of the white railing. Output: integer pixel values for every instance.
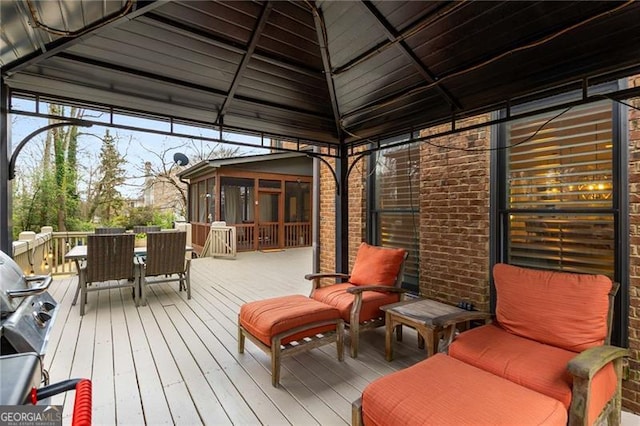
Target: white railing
(32, 252)
(221, 242)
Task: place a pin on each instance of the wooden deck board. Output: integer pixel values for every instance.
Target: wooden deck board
(176, 361)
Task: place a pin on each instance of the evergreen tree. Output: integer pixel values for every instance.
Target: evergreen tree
(108, 201)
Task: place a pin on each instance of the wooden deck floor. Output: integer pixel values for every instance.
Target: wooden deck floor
(175, 361)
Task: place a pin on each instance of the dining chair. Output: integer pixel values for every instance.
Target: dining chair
(166, 258)
(110, 257)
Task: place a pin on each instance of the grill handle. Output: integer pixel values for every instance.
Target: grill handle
(46, 282)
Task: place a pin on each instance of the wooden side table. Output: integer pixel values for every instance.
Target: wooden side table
(419, 314)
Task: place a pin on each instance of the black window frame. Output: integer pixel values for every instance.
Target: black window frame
(499, 211)
(373, 213)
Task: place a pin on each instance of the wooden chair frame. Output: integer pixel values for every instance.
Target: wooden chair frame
(355, 326)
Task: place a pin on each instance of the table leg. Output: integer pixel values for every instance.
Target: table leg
(430, 337)
(388, 341)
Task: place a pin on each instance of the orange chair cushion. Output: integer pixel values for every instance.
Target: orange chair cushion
(532, 364)
(444, 391)
(558, 308)
(376, 265)
(264, 319)
(336, 295)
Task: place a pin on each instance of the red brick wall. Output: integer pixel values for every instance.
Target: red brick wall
(631, 387)
(454, 218)
(357, 213)
(327, 218)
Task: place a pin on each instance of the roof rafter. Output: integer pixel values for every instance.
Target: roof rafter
(326, 62)
(393, 35)
(253, 42)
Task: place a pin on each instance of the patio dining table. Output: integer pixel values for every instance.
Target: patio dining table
(78, 253)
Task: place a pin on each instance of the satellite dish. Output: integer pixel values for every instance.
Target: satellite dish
(180, 159)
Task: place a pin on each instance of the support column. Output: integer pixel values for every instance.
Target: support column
(342, 212)
(6, 222)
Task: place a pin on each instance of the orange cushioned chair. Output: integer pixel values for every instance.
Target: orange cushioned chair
(551, 335)
(544, 323)
(374, 281)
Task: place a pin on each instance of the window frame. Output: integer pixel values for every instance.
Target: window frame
(499, 210)
(373, 213)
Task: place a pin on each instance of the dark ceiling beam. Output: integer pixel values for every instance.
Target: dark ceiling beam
(326, 62)
(419, 25)
(253, 42)
(140, 7)
(231, 45)
(393, 35)
(181, 83)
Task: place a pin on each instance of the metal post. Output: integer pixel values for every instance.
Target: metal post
(315, 218)
(6, 222)
(342, 211)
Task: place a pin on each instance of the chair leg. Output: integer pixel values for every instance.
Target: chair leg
(187, 279)
(275, 362)
(340, 339)
(240, 338)
(354, 331)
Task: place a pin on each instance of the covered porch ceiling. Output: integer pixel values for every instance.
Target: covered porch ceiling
(329, 73)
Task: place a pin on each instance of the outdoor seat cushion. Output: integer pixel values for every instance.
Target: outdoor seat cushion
(336, 295)
(561, 309)
(264, 319)
(376, 265)
(444, 391)
(540, 367)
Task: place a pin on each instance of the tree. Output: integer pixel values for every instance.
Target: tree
(47, 191)
(107, 201)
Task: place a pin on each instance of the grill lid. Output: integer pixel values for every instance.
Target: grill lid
(14, 285)
(11, 278)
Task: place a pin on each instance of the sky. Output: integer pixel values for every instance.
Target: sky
(136, 147)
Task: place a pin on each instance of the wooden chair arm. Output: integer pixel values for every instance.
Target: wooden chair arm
(587, 363)
(460, 317)
(380, 288)
(326, 275)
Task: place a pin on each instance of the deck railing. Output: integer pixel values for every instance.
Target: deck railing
(32, 252)
(62, 242)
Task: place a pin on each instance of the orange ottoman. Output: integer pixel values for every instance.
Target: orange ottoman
(272, 324)
(445, 391)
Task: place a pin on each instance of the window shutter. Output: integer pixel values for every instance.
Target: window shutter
(563, 176)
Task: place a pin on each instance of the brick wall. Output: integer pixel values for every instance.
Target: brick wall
(454, 218)
(357, 213)
(327, 218)
(631, 387)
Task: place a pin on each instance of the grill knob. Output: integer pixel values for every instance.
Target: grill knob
(46, 306)
(41, 318)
